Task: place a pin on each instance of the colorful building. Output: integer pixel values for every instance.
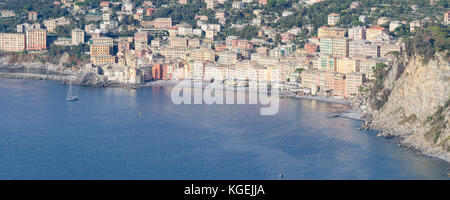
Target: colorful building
(36, 39)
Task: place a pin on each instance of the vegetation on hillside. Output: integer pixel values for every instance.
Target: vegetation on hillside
(378, 96)
(426, 42)
(438, 123)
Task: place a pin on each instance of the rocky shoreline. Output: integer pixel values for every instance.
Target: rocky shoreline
(402, 142)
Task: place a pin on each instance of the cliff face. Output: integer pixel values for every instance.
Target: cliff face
(415, 104)
(26, 68)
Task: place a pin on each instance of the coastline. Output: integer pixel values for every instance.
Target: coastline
(75, 79)
(354, 113)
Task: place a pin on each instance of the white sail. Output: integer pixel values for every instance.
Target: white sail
(70, 96)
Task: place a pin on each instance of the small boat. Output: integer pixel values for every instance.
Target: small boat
(70, 96)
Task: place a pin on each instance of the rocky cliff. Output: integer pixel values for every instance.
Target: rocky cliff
(26, 68)
(412, 101)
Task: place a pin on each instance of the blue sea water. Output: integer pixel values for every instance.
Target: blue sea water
(116, 133)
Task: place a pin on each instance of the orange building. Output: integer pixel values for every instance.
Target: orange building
(339, 85)
(310, 48)
(158, 72)
(100, 49)
(36, 39)
(104, 4)
(99, 60)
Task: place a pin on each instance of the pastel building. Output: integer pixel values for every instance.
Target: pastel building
(162, 23)
(102, 40)
(357, 33)
(228, 57)
(373, 32)
(353, 82)
(178, 42)
(77, 36)
(331, 32)
(36, 39)
(211, 4)
(447, 18)
(333, 19)
(32, 16)
(100, 60)
(12, 42)
(337, 47)
(100, 49)
(347, 65)
(325, 63)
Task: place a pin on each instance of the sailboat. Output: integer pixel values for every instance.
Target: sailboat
(70, 96)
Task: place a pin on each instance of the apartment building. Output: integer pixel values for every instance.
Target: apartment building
(373, 32)
(99, 60)
(333, 19)
(211, 4)
(12, 42)
(347, 65)
(325, 63)
(210, 34)
(51, 24)
(447, 18)
(386, 48)
(36, 39)
(353, 82)
(338, 47)
(32, 16)
(100, 49)
(162, 23)
(331, 32)
(203, 55)
(22, 28)
(228, 57)
(102, 40)
(357, 33)
(77, 36)
(178, 42)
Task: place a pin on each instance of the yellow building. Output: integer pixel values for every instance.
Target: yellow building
(100, 49)
(203, 55)
(102, 41)
(373, 32)
(347, 65)
(178, 42)
(331, 32)
(103, 60)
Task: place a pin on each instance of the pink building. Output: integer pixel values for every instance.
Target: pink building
(310, 48)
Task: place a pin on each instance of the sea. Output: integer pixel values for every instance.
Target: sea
(133, 134)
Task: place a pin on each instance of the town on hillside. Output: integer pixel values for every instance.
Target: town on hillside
(316, 47)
